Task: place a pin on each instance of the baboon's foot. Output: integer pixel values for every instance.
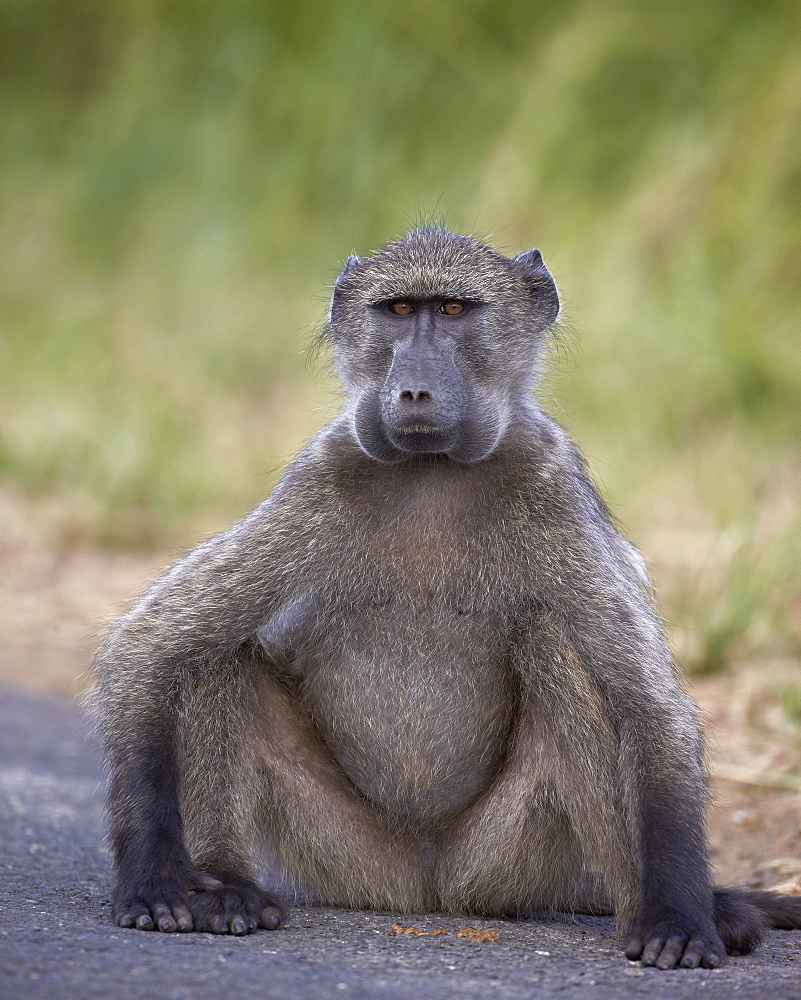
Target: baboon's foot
(238, 908)
(674, 943)
(205, 904)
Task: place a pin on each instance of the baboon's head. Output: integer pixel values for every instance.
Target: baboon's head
(436, 337)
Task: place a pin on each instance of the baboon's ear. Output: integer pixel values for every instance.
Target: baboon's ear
(352, 265)
(542, 285)
(531, 262)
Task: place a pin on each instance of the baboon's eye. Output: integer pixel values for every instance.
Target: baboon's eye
(401, 308)
(452, 307)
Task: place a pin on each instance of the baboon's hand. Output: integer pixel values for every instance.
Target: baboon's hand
(153, 906)
(674, 943)
(204, 904)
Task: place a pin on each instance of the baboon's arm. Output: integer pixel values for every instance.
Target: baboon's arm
(192, 619)
(619, 640)
(597, 588)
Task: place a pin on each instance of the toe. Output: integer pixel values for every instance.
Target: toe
(270, 918)
(634, 947)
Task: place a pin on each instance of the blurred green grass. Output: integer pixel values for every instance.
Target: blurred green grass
(179, 180)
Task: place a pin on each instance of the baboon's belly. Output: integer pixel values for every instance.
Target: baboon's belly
(418, 714)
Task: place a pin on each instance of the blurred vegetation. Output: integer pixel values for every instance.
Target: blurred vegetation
(180, 178)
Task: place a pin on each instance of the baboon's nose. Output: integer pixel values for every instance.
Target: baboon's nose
(415, 396)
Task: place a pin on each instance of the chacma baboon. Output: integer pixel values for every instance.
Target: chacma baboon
(425, 674)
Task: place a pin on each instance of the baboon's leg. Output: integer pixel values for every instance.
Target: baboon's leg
(550, 833)
(290, 797)
(219, 790)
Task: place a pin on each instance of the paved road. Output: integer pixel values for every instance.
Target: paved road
(57, 941)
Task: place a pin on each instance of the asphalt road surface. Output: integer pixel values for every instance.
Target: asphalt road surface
(57, 941)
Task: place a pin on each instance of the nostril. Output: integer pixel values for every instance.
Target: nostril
(410, 396)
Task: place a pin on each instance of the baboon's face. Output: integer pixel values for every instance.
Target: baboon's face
(436, 338)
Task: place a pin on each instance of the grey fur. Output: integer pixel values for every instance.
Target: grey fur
(418, 681)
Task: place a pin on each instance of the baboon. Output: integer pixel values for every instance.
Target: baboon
(426, 673)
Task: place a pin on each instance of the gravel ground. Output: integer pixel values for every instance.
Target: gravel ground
(57, 940)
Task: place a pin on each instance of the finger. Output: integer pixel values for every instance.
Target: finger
(652, 951)
(127, 914)
(183, 918)
(671, 953)
(694, 952)
(162, 915)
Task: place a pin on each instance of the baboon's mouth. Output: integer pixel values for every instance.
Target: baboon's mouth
(422, 438)
(419, 429)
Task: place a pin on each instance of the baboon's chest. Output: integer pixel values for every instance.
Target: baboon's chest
(415, 697)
